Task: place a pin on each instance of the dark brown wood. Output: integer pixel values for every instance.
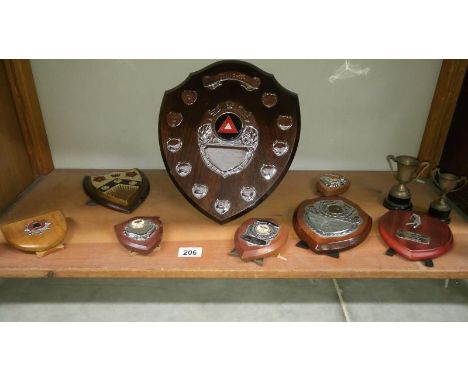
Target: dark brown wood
(16, 171)
(449, 84)
(454, 156)
(234, 89)
(439, 234)
(38, 233)
(325, 189)
(323, 244)
(92, 250)
(253, 252)
(120, 190)
(29, 114)
(143, 247)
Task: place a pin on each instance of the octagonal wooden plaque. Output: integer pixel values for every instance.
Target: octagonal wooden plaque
(228, 135)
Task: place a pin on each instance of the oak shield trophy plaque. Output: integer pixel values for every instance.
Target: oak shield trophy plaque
(228, 135)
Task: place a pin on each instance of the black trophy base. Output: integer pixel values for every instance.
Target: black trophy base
(393, 203)
(441, 215)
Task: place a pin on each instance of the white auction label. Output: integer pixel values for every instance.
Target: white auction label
(190, 252)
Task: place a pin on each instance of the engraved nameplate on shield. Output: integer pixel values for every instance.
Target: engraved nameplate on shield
(228, 135)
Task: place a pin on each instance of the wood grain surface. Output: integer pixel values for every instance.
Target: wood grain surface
(440, 116)
(193, 117)
(29, 114)
(16, 170)
(14, 232)
(93, 250)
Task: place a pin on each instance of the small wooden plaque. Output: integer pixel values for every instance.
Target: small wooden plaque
(332, 184)
(259, 238)
(122, 190)
(415, 235)
(141, 234)
(37, 234)
(331, 224)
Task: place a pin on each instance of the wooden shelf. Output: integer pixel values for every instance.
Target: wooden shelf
(92, 249)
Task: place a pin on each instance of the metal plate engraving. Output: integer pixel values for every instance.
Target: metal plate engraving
(333, 180)
(227, 139)
(140, 229)
(332, 218)
(261, 233)
(413, 236)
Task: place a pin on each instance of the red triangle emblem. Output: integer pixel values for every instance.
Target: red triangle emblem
(228, 126)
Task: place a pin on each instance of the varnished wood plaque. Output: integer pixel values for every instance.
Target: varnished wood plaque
(122, 190)
(331, 184)
(228, 135)
(37, 234)
(259, 238)
(415, 235)
(331, 224)
(141, 234)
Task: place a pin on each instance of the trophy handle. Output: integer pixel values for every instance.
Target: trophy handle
(391, 158)
(463, 181)
(435, 176)
(422, 167)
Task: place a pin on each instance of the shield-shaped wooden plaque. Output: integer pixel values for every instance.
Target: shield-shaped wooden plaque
(122, 190)
(415, 235)
(228, 135)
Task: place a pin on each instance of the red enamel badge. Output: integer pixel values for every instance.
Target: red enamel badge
(228, 126)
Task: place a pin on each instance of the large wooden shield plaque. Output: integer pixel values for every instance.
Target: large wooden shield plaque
(228, 135)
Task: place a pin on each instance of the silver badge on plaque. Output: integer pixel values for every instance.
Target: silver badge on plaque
(333, 180)
(183, 168)
(248, 193)
(140, 229)
(227, 139)
(332, 218)
(37, 227)
(174, 144)
(222, 206)
(199, 190)
(261, 232)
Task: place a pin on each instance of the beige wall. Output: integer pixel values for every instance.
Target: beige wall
(103, 114)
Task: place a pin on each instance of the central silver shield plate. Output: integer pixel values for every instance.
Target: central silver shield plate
(332, 218)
